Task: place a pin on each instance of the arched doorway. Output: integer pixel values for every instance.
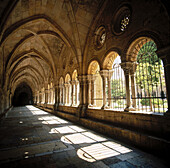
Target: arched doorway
(22, 95)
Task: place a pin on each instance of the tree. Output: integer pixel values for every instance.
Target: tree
(149, 72)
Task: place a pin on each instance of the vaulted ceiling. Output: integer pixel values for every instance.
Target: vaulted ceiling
(40, 39)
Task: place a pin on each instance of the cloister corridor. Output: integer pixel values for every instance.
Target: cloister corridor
(31, 137)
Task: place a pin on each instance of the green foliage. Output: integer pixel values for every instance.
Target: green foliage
(118, 90)
(149, 67)
(155, 102)
(145, 102)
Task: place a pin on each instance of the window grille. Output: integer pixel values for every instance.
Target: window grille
(150, 80)
(118, 89)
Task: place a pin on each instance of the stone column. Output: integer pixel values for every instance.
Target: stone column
(164, 54)
(46, 93)
(2, 102)
(10, 98)
(46, 96)
(83, 95)
(40, 97)
(93, 78)
(72, 93)
(104, 75)
(65, 94)
(38, 100)
(126, 66)
(53, 98)
(68, 94)
(109, 87)
(76, 96)
(62, 95)
(56, 96)
(133, 89)
(89, 90)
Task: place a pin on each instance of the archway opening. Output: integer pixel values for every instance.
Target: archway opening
(148, 86)
(95, 85)
(22, 95)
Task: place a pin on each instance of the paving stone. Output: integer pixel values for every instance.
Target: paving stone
(126, 156)
(123, 164)
(110, 161)
(100, 164)
(34, 144)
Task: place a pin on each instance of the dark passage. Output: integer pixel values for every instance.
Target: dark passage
(23, 95)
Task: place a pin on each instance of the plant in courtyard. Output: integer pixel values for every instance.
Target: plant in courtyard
(118, 91)
(149, 72)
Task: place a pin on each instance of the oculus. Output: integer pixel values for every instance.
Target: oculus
(100, 37)
(121, 20)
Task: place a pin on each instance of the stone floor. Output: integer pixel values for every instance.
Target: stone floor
(30, 137)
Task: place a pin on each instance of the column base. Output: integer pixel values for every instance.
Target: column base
(127, 109)
(104, 107)
(82, 110)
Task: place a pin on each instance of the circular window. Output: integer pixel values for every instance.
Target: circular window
(121, 20)
(124, 22)
(100, 37)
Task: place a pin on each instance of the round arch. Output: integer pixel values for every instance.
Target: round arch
(135, 47)
(67, 78)
(74, 75)
(109, 60)
(93, 67)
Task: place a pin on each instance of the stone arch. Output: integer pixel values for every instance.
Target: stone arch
(61, 87)
(74, 75)
(67, 78)
(68, 89)
(61, 80)
(134, 48)
(146, 70)
(75, 89)
(93, 67)
(109, 60)
(96, 90)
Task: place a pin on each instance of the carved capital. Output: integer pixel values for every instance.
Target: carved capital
(129, 67)
(104, 73)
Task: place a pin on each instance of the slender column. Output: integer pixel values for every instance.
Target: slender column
(126, 67)
(89, 91)
(76, 96)
(133, 91)
(109, 88)
(63, 94)
(56, 96)
(2, 101)
(93, 78)
(68, 94)
(65, 98)
(164, 54)
(40, 96)
(38, 100)
(46, 96)
(53, 98)
(10, 99)
(60, 94)
(72, 93)
(83, 95)
(104, 74)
